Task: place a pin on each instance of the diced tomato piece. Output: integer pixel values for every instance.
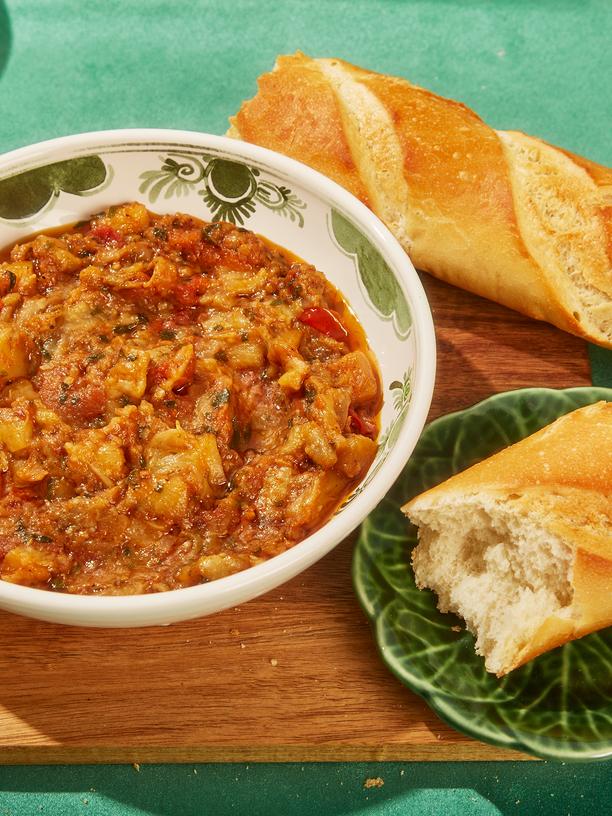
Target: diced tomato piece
(186, 378)
(185, 240)
(91, 398)
(361, 425)
(325, 321)
(157, 324)
(107, 235)
(158, 373)
(182, 317)
(188, 294)
(79, 402)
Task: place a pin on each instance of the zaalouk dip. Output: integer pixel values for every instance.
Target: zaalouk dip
(178, 401)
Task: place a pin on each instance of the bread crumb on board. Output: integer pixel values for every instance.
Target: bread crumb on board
(373, 782)
(136, 766)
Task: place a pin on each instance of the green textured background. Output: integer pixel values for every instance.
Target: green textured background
(544, 67)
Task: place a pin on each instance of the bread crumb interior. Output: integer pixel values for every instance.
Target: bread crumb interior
(491, 561)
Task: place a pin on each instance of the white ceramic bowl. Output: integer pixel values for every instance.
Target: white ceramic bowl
(68, 179)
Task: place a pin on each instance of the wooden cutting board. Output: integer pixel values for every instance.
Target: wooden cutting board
(293, 675)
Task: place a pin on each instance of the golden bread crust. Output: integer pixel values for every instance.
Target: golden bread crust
(464, 200)
(575, 451)
(296, 113)
(591, 610)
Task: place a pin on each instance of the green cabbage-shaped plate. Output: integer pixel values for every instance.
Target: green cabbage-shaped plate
(557, 706)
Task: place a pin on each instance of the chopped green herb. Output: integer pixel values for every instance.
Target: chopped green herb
(50, 488)
(103, 338)
(207, 235)
(127, 328)
(42, 539)
(220, 398)
(57, 583)
(309, 393)
(12, 279)
(45, 352)
(244, 336)
(241, 434)
(160, 233)
(170, 403)
(26, 536)
(94, 357)
(123, 400)
(221, 356)
(167, 334)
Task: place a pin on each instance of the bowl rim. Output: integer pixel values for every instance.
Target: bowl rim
(220, 592)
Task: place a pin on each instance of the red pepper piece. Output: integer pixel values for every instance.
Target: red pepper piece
(107, 235)
(361, 425)
(181, 317)
(325, 321)
(157, 373)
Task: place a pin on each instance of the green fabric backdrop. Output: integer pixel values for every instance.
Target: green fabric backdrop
(410, 789)
(67, 66)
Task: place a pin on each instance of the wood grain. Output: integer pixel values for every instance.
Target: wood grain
(293, 675)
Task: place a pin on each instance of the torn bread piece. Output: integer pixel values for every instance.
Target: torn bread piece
(520, 545)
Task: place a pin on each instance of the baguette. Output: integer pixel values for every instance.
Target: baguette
(520, 545)
(501, 214)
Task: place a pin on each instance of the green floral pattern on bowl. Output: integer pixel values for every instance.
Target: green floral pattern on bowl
(378, 280)
(26, 193)
(557, 706)
(231, 190)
